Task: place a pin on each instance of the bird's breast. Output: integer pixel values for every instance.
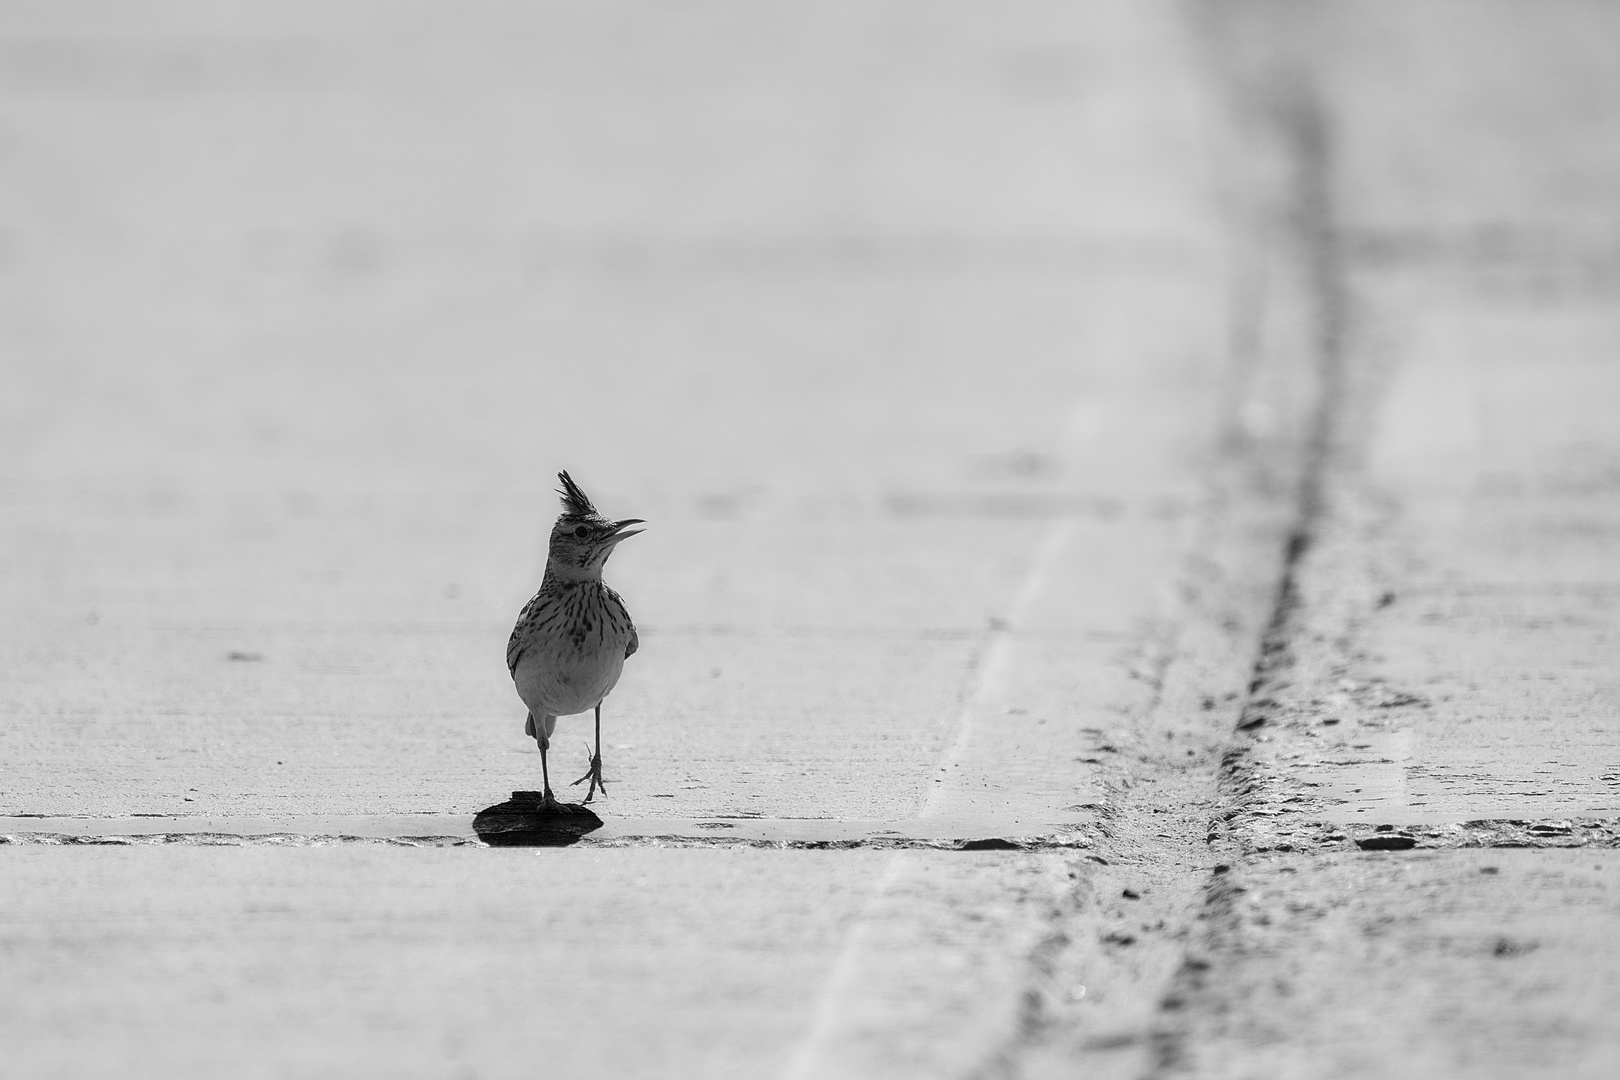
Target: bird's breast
(572, 652)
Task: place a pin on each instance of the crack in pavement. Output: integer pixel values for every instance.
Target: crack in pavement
(809, 834)
(1121, 945)
(773, 834)
(1293, 123)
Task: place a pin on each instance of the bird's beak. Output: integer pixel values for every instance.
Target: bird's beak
(620, 530)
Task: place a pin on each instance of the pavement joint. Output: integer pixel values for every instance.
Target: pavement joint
(1298, 128)
(810, 834)
(1302, 129)
(1322, 734)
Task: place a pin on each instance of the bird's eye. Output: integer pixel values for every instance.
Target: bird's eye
(581, 532)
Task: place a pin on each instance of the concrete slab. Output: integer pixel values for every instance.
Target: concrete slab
(1457, 625)
(416, 962)
(1468, 963)
(275, 508)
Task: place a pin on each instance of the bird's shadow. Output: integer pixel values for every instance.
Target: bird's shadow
(524, 821)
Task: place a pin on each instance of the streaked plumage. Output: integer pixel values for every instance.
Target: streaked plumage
(572, 639)
(570, 645)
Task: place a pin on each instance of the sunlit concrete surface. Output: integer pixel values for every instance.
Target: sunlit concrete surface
(311, 306)
(1102, 462)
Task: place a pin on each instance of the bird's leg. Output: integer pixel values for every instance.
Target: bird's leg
(548, 801)
(595, 773)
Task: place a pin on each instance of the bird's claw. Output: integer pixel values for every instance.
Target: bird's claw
(594, 775)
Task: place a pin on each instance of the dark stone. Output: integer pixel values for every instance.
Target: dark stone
(994, 843)
(524, 821)
(1386, 842)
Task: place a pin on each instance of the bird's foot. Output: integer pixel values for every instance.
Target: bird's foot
(594, 775)
(548, 801)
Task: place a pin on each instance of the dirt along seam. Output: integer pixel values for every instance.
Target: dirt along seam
(1105, 979)
(1306, 258)
(1127, 946)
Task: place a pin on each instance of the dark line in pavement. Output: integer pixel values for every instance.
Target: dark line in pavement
(1307, 837)
(1302, 127)
(1324, 837)
(1305, 131)
(449, 830)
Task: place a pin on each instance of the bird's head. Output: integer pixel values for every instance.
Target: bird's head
(582, 539)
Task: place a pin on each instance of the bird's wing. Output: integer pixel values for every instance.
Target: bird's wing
(520, 634)
(617, 601)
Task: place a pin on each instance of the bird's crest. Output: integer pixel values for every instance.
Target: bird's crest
(575, 502)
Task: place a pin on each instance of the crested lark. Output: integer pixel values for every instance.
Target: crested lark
(571, 642)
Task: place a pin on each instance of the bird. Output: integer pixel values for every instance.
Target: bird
(572, 639)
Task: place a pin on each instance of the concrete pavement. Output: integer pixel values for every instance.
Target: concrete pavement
(1125, 433)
